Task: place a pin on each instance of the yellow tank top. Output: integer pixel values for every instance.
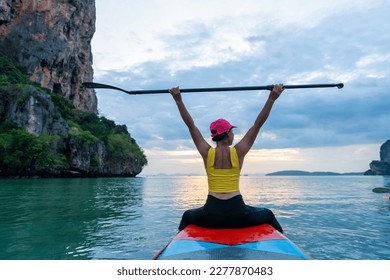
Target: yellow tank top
(223, 180)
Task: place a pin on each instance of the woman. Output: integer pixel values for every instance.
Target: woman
(225, 207)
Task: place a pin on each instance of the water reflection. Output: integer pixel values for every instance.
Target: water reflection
(386, 181)
(132, 218)
(65, 218)
(114, 209)
(164, 201)
(270, 191)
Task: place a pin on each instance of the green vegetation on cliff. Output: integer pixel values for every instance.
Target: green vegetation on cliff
(25, 154)
(9, 74)
(21, 151)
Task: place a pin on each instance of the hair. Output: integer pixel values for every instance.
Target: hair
(219, 137)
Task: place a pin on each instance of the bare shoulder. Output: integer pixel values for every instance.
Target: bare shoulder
(242, 148)
(203, 149)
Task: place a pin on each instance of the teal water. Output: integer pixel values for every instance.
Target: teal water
(132, 218)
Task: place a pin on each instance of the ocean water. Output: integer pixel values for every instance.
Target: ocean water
(331, 218)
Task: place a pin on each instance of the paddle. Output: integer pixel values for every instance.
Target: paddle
(153, 91)
(381, 190)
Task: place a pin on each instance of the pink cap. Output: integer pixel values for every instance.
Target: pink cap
(220, 126)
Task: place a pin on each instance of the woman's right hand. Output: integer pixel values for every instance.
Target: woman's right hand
(175, 92)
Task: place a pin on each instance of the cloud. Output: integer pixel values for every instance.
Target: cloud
(262, 161)
(160, 44)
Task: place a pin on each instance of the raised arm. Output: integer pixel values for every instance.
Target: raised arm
(247, 141)
(200, 143)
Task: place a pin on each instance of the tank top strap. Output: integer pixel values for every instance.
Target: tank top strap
(234, 158)
(211, 157)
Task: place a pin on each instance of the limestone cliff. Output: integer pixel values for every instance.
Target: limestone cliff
(382, 166)
(46, 138)
(48, 122)
(51, 40)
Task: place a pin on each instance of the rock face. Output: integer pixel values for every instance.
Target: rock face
(382, 166)
(31, 109)
(34, 110)
(51, 40)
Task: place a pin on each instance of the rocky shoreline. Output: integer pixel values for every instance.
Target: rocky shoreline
(382, 166)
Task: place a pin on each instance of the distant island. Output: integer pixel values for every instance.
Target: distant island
(306, 173)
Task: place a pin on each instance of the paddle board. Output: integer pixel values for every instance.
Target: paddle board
(261, 242)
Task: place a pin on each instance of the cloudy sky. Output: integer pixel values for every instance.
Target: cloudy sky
(158, 44)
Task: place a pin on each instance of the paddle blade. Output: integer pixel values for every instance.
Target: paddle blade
(97, 85)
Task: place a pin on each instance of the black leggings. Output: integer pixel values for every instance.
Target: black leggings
(230, 213)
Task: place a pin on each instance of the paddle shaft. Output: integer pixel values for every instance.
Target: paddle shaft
(156, 91)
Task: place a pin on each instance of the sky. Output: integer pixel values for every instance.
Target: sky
(159, 44)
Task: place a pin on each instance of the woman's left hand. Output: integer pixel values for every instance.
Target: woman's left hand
(276, 91)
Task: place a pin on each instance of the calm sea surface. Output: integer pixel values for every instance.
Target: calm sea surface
(132, 218)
